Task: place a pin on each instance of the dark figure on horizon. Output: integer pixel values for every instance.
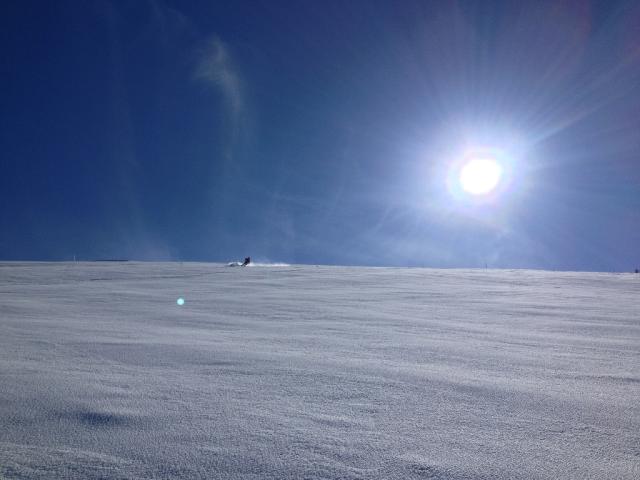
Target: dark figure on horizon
(246, 262)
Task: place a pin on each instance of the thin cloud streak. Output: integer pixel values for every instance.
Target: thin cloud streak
(216, 69)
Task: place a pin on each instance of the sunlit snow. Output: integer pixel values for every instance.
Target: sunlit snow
(317, 372)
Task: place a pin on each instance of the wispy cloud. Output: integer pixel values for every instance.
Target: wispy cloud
(217, 70)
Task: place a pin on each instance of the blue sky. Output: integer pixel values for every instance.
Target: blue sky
(321, 132)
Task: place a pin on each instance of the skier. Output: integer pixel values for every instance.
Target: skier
(246, 262)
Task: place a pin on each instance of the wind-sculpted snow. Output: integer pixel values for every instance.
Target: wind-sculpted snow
(317, 372)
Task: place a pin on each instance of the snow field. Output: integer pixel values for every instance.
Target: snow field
(316, 372)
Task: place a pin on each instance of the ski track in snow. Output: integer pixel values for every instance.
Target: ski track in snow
(317, 372)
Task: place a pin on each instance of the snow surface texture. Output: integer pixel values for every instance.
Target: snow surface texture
(317, 372)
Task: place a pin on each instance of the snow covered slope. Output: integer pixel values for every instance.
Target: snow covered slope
(317, 372)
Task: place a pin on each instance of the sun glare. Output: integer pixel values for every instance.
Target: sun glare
(480, 176)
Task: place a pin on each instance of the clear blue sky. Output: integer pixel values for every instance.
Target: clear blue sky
(321, 131)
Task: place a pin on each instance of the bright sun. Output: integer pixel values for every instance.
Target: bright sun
(480, 176)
